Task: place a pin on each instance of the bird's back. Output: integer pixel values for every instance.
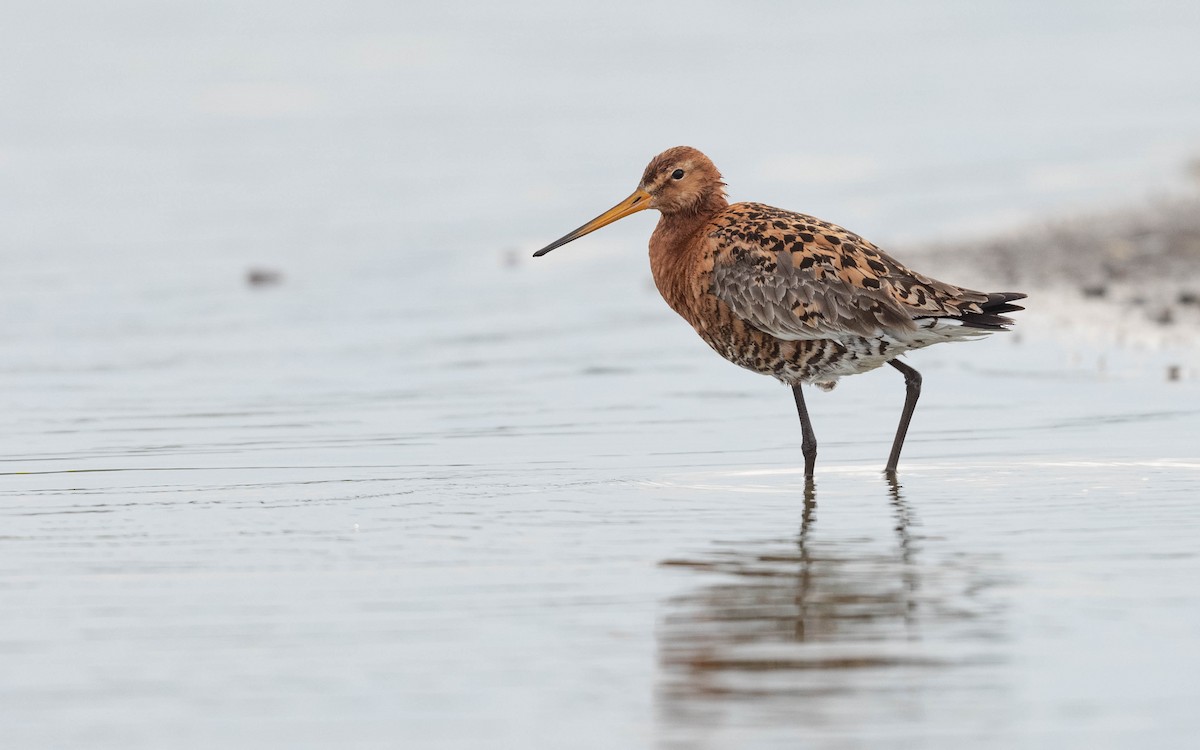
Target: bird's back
(805, 300)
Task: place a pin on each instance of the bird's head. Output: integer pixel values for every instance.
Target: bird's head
(677, 181)
(681, 179)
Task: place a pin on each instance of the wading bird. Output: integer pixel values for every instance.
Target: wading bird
(788, 295)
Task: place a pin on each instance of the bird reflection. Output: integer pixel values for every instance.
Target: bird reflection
(804, 579)
(908, 570)
(808, 604)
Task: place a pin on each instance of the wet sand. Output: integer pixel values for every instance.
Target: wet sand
(1118, 269)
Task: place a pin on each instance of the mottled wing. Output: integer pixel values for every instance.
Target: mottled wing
(797, 277)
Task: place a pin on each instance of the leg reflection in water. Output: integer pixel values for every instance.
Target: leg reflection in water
(803, 615)
(839, 595)
(804, 580)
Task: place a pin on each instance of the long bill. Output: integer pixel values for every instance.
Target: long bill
(639, 201)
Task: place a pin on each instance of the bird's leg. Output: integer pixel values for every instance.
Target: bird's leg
(912, 379)
(808, 446)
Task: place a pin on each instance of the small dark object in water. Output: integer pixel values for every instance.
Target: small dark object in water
(1164, 317)
(263, 277)
(1173, 373)
(1188, 297)
(1095, 291)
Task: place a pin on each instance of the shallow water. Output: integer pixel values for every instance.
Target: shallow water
(427, 492)
(578, 527)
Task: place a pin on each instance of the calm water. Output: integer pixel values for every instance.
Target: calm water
(576, 527)
(426, 492)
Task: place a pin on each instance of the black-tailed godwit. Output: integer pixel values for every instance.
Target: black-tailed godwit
(788, 295)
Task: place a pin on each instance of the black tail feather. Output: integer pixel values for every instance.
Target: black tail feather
(990, 318)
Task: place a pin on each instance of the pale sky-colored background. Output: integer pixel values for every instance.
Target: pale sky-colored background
(258, 129)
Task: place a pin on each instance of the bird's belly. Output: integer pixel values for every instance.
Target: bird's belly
(820, 361)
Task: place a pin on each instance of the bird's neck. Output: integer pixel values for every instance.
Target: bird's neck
(674, 247)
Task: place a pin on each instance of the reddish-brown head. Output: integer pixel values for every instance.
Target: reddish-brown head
(680, 180)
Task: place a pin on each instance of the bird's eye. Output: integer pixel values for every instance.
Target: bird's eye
(677, 174)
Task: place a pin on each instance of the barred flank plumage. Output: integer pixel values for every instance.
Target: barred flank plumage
(803, 300)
